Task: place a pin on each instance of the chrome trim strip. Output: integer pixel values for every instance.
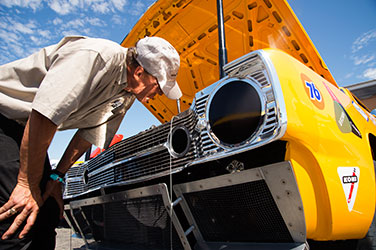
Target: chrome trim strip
(140, 154)
(278, 93)
(73, 179)
(123, 195)
(122, 183)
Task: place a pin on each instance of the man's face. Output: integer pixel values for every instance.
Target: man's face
(143, 85)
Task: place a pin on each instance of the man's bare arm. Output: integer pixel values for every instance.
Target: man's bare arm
(37, 137)
(76, 148)
(26, 197)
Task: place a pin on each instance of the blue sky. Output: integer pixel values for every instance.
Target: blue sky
(343, 31)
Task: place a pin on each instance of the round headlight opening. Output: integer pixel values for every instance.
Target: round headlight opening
(179, 141)
(235, 112)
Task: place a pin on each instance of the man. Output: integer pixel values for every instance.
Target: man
(80, 83)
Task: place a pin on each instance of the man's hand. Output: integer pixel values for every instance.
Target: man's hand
(26, 205)
(26, 199)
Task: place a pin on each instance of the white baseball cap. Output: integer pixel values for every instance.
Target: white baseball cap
(160, 59)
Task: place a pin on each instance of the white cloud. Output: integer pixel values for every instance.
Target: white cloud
(95, 21)
(119, 4)
(349, 75)
(137, 8)
(23, 30)
(61, 7)
(76, 23)
(77, 32)
(79, 24)
(70, 32)
(370, 73)
(44, 33)
(19, 27)
(102, 7)
(9, 37)
(37, 40)
(33, 4)
(64, 7)
(118, 20)
(363, 40)
(363, 59)
(17, 49)
(57, 21)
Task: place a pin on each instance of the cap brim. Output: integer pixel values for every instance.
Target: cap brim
(173, 93)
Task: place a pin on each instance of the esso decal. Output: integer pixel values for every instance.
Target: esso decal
(349, 177)
(342, 119)
(313, 92)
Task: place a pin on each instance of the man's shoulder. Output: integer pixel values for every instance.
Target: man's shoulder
(105, 47)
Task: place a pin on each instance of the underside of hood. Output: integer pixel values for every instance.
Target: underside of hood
(191, 27)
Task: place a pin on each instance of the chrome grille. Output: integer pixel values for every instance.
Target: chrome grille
(140, 157)
(153, 137)
(260, 78)
(76, 170)
(206, 144)
(200, 105)
(74, 180)
(146, 155)
(104, 158)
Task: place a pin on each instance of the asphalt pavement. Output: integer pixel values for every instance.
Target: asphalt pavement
(66, 240)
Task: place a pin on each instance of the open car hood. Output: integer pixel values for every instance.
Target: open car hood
(191, 27)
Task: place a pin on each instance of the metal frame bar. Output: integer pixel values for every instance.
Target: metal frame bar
(281, 182)
(158, 189)
(79, 228)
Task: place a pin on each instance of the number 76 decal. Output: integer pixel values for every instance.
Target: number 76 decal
(313, 91)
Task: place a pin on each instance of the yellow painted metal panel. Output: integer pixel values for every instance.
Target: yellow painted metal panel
(318, 149)
(191, 26)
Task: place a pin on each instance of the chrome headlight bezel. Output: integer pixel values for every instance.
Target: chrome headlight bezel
(253, 135)
(259, 69)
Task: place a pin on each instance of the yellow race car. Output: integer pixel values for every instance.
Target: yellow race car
(263, 150)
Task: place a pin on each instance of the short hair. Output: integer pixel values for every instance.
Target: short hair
(131, 57)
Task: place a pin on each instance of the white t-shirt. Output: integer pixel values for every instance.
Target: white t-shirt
(77, 84)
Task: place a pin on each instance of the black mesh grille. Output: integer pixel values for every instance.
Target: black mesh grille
(238, 213)
(141, 223)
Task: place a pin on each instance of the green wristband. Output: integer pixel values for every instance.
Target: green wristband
(56, 177)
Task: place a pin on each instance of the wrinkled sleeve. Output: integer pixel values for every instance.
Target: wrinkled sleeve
(67, 84)
(111, 113)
